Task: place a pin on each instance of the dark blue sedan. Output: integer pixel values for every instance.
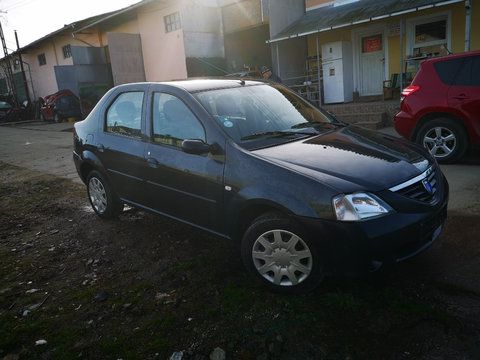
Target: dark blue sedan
(303, 193)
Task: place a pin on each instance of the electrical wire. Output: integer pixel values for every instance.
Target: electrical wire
(18, 4)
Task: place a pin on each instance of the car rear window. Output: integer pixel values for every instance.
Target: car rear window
(459, 72)
(448, 69)
(469, 73)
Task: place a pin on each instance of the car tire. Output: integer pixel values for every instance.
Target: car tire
(281, 256)
(444, 138)
(56, 118)
(103, 199)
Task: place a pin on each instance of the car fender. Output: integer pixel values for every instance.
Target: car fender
(284, 200)
(428, 114)
(90, 160)
(252, 201)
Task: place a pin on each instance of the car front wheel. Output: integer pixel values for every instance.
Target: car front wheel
(278, 254)
(102, 198)
(444, 138)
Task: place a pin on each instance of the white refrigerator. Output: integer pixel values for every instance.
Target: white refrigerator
(337, 65)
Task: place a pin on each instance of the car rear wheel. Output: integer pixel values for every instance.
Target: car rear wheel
(102, 198)
(444, 138)
(280, 255)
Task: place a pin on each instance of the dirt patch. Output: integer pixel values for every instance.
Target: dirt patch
(144, 287)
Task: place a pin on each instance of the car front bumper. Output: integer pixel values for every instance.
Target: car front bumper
(405, 124)
(356, 247)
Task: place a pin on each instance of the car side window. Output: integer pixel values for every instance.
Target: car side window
(476, 71)
(124, 116)
(173, 121)
(464, 75)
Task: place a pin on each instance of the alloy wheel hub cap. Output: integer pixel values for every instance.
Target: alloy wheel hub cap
(282, 258)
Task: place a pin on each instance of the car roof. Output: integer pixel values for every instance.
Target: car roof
(453, 56)
(198, 85)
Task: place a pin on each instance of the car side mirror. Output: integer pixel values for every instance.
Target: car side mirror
(196, 147)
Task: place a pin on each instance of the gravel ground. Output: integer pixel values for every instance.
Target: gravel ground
(74, 286)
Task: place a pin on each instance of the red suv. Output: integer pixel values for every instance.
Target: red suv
(441, 108)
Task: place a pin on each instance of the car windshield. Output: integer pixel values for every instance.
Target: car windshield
(264, 115)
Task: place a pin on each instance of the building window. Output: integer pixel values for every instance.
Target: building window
(16, 64)
(172, 22)
(429, 36)
(67, 51)
(42, 60)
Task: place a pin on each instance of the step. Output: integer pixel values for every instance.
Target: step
(371, 114)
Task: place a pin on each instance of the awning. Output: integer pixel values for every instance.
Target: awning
(332, 17)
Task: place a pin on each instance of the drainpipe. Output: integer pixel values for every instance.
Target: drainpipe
(24, 78)
(74, 35)
(278, 60)
(31, 79)
(319, 75)
(468, 23)
(401, 54)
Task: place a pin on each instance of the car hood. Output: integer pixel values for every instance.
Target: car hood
(371, 160)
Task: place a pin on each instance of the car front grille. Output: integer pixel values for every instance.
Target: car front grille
(421, 188)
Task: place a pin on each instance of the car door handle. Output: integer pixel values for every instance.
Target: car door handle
(461, 97)
(101, 148)
(152, 162)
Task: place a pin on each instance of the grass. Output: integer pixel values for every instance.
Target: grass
(456, 290)
(233, 298)
(16, 332)
(117, 346)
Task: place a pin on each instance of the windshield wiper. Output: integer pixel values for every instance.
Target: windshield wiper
(276, 134)
(317, 124)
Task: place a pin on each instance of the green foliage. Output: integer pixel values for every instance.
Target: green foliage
(233, 297)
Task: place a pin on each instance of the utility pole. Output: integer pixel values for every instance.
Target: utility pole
(25, 84)
(8, 67)
(468, 23)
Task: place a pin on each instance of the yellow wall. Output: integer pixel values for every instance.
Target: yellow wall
(475, 33)
(163, 53)
(457, 33)
(130, 27)
(312, 3)
(43, 77)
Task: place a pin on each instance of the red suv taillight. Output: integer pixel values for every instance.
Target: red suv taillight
(409, 90)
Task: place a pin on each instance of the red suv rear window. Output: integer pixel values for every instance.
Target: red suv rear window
(459, 72)
(447, 70)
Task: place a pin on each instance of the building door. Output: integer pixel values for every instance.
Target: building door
(126, 58)
(371, 51)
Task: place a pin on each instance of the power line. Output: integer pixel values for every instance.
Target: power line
(19, 4)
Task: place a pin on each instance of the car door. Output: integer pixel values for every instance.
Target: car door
(464, 94)
(120, 145)
(184, 186)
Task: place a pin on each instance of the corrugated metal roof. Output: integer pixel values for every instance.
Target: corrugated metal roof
(69, 27)
(332, 17)
(76, 26)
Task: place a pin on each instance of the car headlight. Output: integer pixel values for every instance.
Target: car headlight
(359, 206)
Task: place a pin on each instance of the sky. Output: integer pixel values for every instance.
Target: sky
(34, 19)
